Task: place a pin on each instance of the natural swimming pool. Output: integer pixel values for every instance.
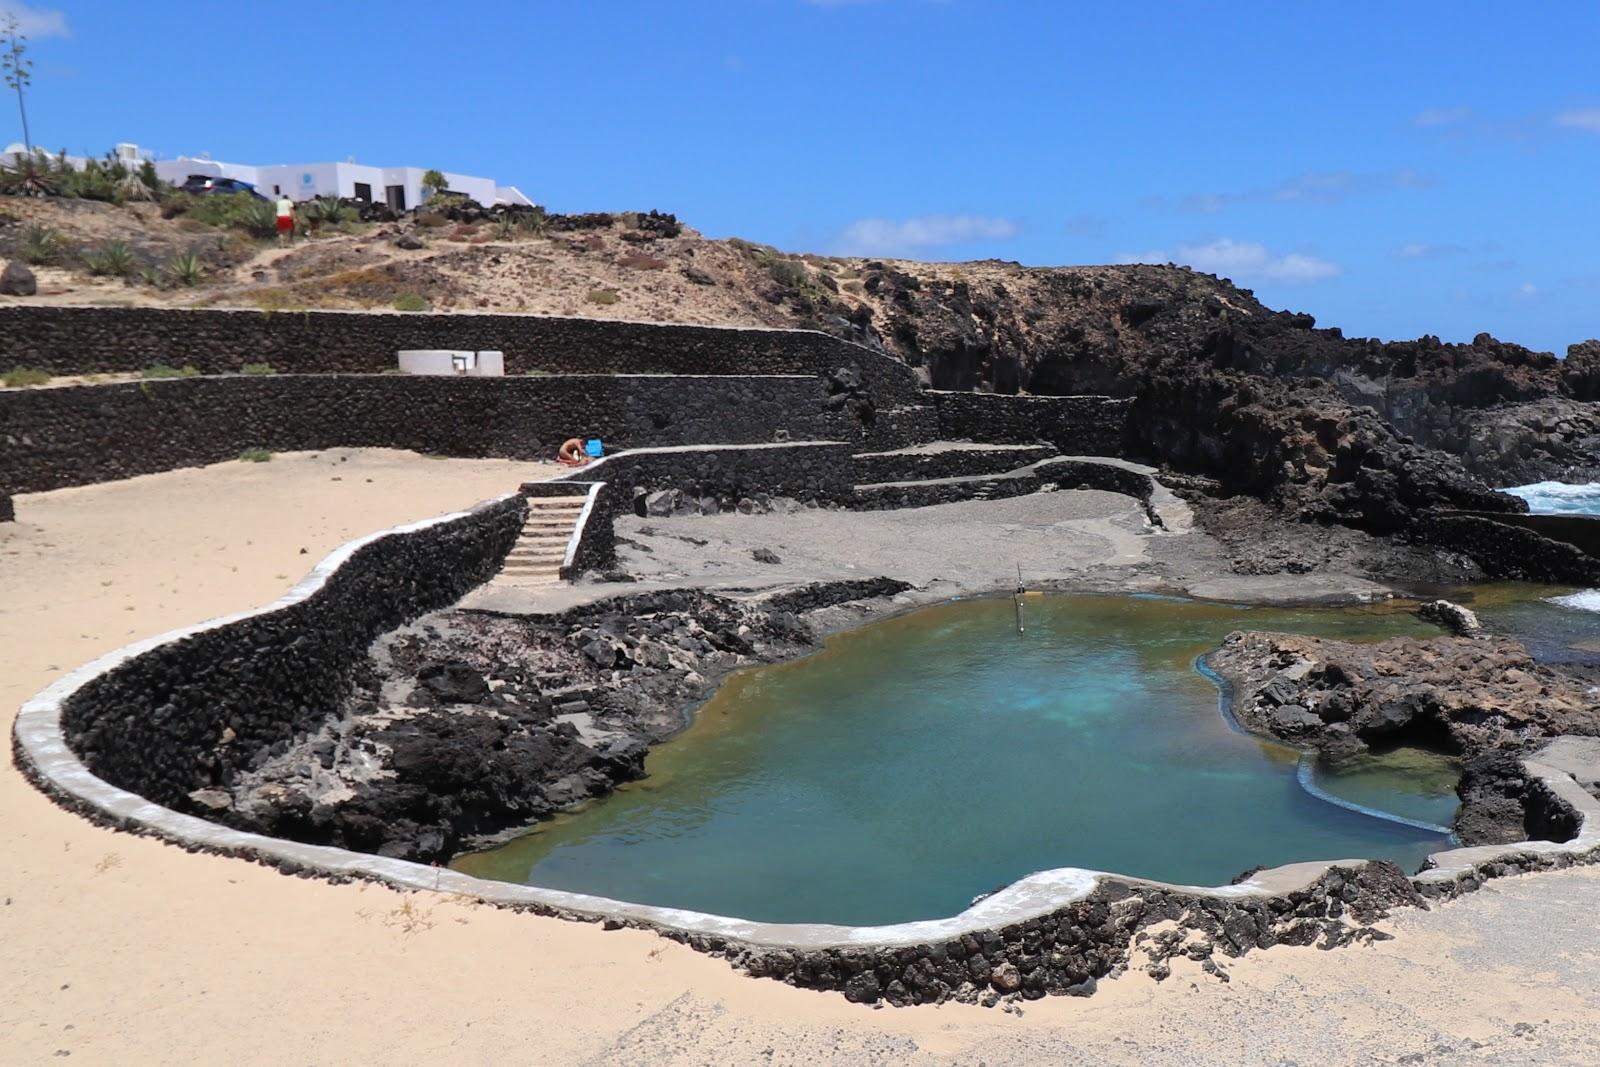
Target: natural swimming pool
(918, 762)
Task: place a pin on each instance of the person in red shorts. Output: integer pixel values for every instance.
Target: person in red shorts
(285, 219)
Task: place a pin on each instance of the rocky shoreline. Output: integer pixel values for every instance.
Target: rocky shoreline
(468, 726)
(1481, 697)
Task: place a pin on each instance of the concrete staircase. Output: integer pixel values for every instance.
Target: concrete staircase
(536, 557)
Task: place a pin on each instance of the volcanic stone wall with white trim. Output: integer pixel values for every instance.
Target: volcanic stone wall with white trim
(187, 715)
(82, 340)
(78, 435)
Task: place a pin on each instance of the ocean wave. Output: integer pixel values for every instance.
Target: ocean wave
(1588, 600)
(1560, 498)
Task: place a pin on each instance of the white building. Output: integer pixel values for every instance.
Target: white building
(399, 187)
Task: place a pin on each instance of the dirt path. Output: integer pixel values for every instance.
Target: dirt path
(122, 950)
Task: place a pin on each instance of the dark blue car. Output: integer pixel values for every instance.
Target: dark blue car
(201, 184)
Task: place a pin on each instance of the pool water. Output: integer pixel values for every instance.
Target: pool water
(922, 761)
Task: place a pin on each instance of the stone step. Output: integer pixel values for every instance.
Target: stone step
(546, 503)
(520, 558)
(516, 569)
(945, 459)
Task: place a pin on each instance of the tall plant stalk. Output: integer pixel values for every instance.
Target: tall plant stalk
(18, 68)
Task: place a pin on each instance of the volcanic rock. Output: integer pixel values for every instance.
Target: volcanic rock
(18, 280)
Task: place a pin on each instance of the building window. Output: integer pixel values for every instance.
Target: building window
(364, 192)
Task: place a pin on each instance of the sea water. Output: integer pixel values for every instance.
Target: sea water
(919, 762)
(1564, 498)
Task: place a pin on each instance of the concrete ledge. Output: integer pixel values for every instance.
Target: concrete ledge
(1049, 896)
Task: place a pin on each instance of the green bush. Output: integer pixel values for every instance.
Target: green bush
(111, 259)
(255, 455)
(17, 377)
(40, 245)
(185, 268)
(603, 297)
(410, 302)
(240, 211)
(257, 369)
(789, 273)
(161, 370)
(532, 222)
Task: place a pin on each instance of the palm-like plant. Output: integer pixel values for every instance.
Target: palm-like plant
(40, 245)
(186, 269)
(30, 174)
(111, 259)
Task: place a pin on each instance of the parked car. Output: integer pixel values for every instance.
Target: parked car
(202, 184)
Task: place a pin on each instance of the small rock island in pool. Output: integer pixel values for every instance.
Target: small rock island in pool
(920, 762)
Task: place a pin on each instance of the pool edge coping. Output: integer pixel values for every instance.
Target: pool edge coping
(41, 753)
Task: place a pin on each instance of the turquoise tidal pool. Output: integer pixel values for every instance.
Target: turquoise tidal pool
(919, 762)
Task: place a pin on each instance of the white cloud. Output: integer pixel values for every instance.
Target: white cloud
(1442, 116)
(1420, 250)
(37, 21)
(1586, 119)
(889, 237)
(1241, 261)
(1527, 291)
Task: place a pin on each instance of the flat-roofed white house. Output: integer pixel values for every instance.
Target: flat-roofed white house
(399, 187)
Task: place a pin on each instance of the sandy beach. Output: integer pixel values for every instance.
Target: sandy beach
(119, 949)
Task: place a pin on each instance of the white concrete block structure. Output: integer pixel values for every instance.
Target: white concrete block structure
(458, 362)
(399, 187)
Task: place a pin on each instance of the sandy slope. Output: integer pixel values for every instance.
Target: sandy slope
(117, 949)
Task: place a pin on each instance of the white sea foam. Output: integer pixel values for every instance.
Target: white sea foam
(1588, 600)
(1560, 498)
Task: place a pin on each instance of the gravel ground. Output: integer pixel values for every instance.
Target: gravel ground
(1084, 539)
(1509, 975)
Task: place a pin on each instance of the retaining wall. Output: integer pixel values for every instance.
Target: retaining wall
(77, 435)
(1081, 425)
(1506, 549)
(79, 340)
(186, 713)
(156, 720)
(812, 471)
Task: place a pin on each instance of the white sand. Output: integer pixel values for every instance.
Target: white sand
(121, 950)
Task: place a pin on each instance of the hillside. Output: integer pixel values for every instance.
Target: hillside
(1194, 349)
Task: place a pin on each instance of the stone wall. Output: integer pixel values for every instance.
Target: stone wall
(186, 714)
(1077, 425)
(78, 340)
(1507, 551)
(1581, 531)
(813, 472)
(77, 435)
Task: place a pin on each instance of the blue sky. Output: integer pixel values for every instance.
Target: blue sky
(1394, 169)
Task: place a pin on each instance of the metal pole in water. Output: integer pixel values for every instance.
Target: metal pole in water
(1020, 590)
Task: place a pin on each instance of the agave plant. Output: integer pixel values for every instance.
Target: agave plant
(186, 269)
(40, 245)
(258, 217)
(111, 259)
(29, 175)
(133, 187)
(532, 222)
(506, 228)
